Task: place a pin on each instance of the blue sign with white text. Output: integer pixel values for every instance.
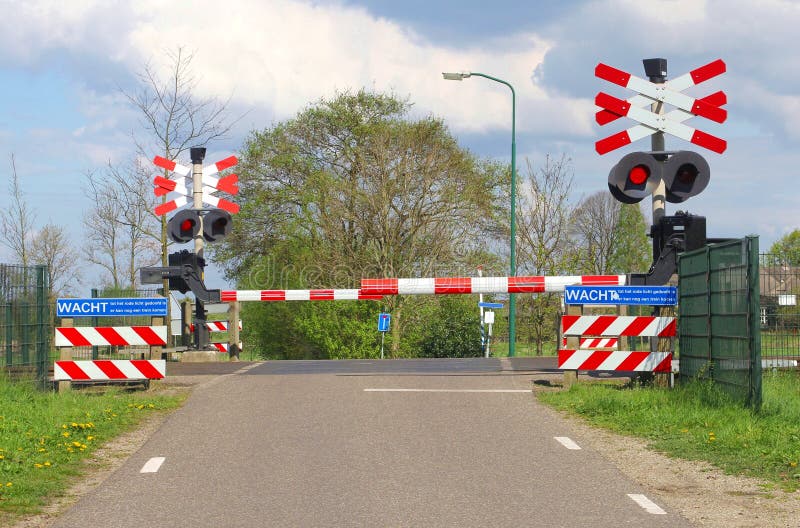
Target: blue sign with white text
(490, 305)
(383, 322)
(99, 307)
(628, 295)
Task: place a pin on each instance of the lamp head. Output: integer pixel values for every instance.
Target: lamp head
(456, 76)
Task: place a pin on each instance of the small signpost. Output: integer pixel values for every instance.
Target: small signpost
(488, 319)
(384, 320)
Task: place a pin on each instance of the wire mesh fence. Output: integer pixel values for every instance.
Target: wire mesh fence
(26, 321)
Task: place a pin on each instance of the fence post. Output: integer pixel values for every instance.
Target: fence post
(43, 325)
(573, 343)
(156, 351)
(233, 330)
(65, 354)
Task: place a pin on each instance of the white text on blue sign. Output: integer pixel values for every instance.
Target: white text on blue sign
(626, 295)
(153, 306)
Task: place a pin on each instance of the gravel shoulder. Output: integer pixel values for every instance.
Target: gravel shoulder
(701, 493)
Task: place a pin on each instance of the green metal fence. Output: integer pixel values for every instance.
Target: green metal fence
(719, 312)
(27, 324)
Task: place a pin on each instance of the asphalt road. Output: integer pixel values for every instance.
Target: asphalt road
(422, 443)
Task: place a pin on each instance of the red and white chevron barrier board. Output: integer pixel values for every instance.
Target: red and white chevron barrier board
(220, 166)
(170, 165)
(453, 285)
(111, 335)
(614, 360)
(110, 369)
(618, 325)
(224, 347)
(595, 342)
(296, 295)
(216, 326)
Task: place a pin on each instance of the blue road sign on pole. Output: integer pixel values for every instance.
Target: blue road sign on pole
(490, 305)
(628, 295)
(383, 322)
(102, 307)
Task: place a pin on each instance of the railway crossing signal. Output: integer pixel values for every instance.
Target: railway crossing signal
(684, 173)
(669, 93)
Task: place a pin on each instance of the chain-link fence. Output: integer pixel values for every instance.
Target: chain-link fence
(27, 324)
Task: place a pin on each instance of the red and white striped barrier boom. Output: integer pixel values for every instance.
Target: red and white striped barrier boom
(614, 360)
(455, 285)
(111, 335)
(117, 369)
(618, 325)
(297, 295)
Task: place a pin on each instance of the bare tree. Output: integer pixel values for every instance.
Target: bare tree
(52, 247)
(124, 234)
(103, 239)
(544, 245)
(16, 226)
(174, 118)
(122, 222)
(593, 225)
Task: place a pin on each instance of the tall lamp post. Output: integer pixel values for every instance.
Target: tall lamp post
(512, 304)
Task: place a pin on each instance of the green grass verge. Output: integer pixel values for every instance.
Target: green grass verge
(696, 421)
(44, 437)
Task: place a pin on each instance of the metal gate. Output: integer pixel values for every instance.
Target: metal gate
(718, 311)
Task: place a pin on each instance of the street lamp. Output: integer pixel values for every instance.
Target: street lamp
(512, 304)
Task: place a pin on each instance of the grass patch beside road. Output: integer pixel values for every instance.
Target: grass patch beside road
(696, 421)
(44, 437)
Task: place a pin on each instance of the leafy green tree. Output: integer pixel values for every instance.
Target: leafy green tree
(632, 250)
(786, 250)
(353, 187)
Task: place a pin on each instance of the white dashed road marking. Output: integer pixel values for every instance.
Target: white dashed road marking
(567, 442)
(152, 465)
(648, 505)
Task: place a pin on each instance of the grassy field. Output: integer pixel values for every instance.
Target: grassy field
(44, 437)
(697, 422)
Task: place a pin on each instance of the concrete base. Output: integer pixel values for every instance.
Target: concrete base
(201, 356)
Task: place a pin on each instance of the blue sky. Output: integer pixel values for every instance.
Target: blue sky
(62, 64)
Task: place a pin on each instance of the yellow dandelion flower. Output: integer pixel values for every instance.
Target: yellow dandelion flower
(2, 457)
(47, 464)
(76, 444)
(38, 466)
(42, 450)
(793, 464)
(65, 434)
(89, 438)
(9, 484)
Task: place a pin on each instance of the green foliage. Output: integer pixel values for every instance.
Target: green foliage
(786, 250)
(349, 188)
(452, 329)
(699, 421)
(632, 250)
(45, 436)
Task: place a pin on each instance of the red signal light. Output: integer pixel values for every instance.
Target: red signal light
(639, 174)
(187, 225)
